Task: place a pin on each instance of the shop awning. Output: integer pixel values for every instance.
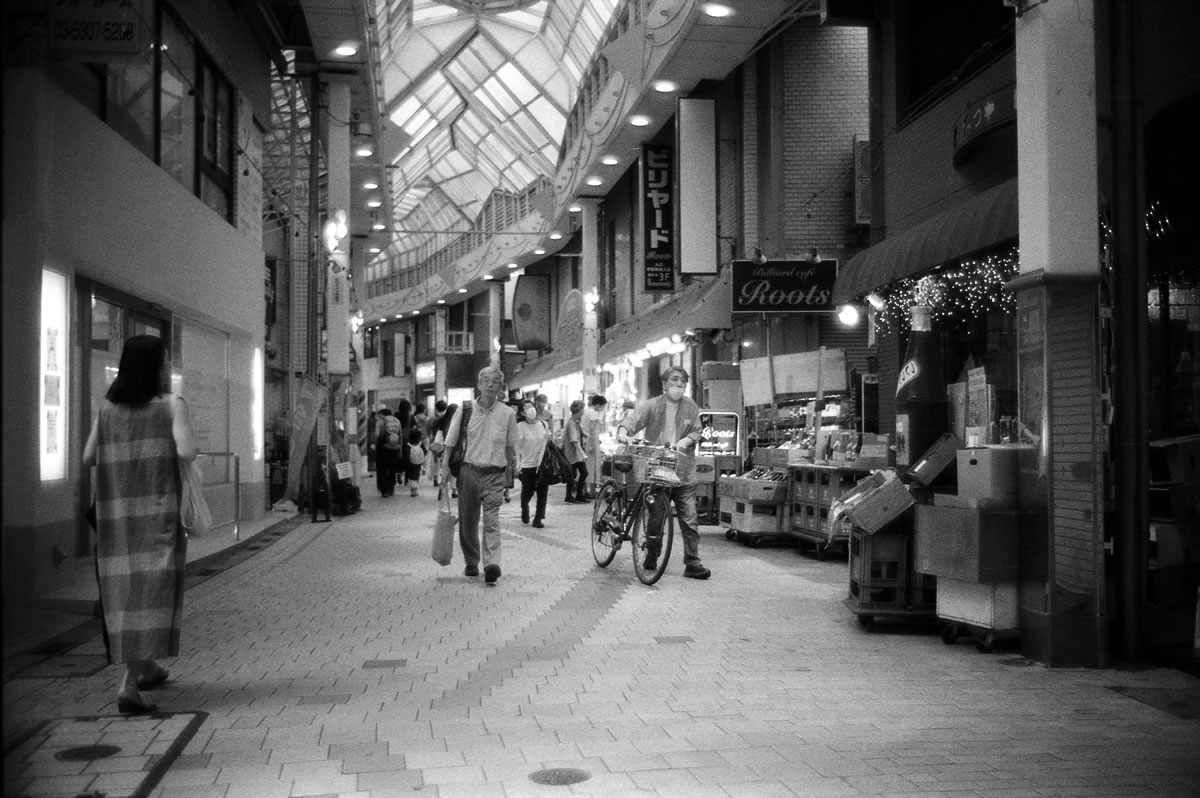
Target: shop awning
(546, 368)
(987, 219)
(700, 306)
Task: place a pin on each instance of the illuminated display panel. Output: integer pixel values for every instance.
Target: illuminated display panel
(52, 387)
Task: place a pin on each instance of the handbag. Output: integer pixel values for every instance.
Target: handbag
(455, 461)
(554, 469)
(443, 531)
(194, 514)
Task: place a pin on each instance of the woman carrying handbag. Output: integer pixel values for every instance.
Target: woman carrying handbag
(532, 435)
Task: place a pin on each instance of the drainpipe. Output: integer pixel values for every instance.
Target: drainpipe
(1130, 348)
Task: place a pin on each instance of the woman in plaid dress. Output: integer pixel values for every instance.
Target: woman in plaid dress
(136, 444)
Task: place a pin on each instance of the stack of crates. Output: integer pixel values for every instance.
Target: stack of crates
(814, 489)
(754, 507)
(882, 579)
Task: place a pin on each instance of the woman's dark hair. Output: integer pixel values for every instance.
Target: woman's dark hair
(444, 421)
(404, 412)
(139, 375)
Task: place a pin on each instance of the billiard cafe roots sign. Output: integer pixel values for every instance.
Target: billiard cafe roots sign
(783, 286)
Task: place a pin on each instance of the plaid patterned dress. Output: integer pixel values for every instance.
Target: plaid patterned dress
(141, 548)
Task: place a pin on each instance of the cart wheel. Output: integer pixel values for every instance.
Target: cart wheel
(730, 534)
(985, 643)
(950, 634)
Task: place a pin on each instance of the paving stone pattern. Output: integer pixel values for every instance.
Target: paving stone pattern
(342, 661)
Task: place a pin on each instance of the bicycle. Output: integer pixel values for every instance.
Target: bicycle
(618, 517)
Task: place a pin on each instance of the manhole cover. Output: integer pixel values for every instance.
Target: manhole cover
(87, 753)
(559, 776)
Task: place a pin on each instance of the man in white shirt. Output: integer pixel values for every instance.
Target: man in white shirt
(489, 463)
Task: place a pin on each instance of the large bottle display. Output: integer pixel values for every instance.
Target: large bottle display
(921, 406)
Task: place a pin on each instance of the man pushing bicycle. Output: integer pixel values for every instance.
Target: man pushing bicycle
(673, 419)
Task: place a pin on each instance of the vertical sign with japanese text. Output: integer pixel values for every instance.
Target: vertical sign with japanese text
(658, 217)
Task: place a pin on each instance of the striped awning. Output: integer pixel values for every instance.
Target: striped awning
(985, 220)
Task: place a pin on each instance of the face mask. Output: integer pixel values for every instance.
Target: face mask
(530, 413)
(675, 392)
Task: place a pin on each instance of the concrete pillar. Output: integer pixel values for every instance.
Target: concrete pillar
(495, 317)
(439, 362)
(1059, 378)
(589, 276)
(338, 261)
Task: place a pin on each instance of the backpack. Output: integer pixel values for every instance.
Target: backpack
(416, 454)
(391, 431)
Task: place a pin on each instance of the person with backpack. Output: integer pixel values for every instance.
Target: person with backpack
(388, 445)
(415, 459)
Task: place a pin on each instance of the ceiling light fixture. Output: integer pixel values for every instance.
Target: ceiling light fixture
(441, 301)
(610, 160)
(514, 266)
(555, 236)
(716, 10)
(373, 203)
(539, 251)
(346, 50)
(595, 181)
(374, 250)
(379, 226)
(364, 151)
(370, 185)
(575, 208)
(639, 120)
(462, 290)
(665, 86)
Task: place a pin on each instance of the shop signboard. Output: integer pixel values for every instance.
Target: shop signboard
(531, 311)
(658, 218)
(100, 31)
(783, 286)
(719, 433)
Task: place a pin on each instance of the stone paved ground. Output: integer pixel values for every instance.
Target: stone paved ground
(342, 661)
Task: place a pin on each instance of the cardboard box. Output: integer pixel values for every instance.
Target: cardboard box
(875, 451)
(706, 469)
(873, 508)
(933, 462)
(967, 543)
(988, 472)
(992, 607)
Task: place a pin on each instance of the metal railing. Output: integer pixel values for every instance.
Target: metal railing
(237, 490)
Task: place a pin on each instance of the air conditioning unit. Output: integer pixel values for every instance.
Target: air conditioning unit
(862, 179)
(459, 343)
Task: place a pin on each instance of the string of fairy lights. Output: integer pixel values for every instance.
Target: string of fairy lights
(958, 293)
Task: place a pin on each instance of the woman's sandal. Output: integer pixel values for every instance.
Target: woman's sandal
(128, 706)
(156, 679)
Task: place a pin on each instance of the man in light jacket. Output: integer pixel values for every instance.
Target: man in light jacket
(673, 419)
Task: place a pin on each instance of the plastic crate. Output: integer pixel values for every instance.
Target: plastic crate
(880, 561)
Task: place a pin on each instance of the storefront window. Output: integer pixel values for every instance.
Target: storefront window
(178, 108)
(130, 103)
(201, 356)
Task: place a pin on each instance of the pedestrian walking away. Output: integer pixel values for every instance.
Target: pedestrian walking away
(137, 444)
(673, 419)
(388, 446)
(532, 436)
(575, 447)
(489, 462)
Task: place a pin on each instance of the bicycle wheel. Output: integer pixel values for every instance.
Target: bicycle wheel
(651, 542)
(606, 522)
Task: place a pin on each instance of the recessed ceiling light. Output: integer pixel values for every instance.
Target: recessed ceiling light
(441, 301)
(399, 315)
(382, 320)
(462, 290)
(346, 50)
(488, 277)
(374, 204)
(364, 151)
(416, 313)
(374, 250)
(716, 10)
(639, 120)
(514, 266)
(555, 236)
(379, 226)
(539, 251)
(610, 160)
(595, 181)
(370, 185)
(666, 86)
